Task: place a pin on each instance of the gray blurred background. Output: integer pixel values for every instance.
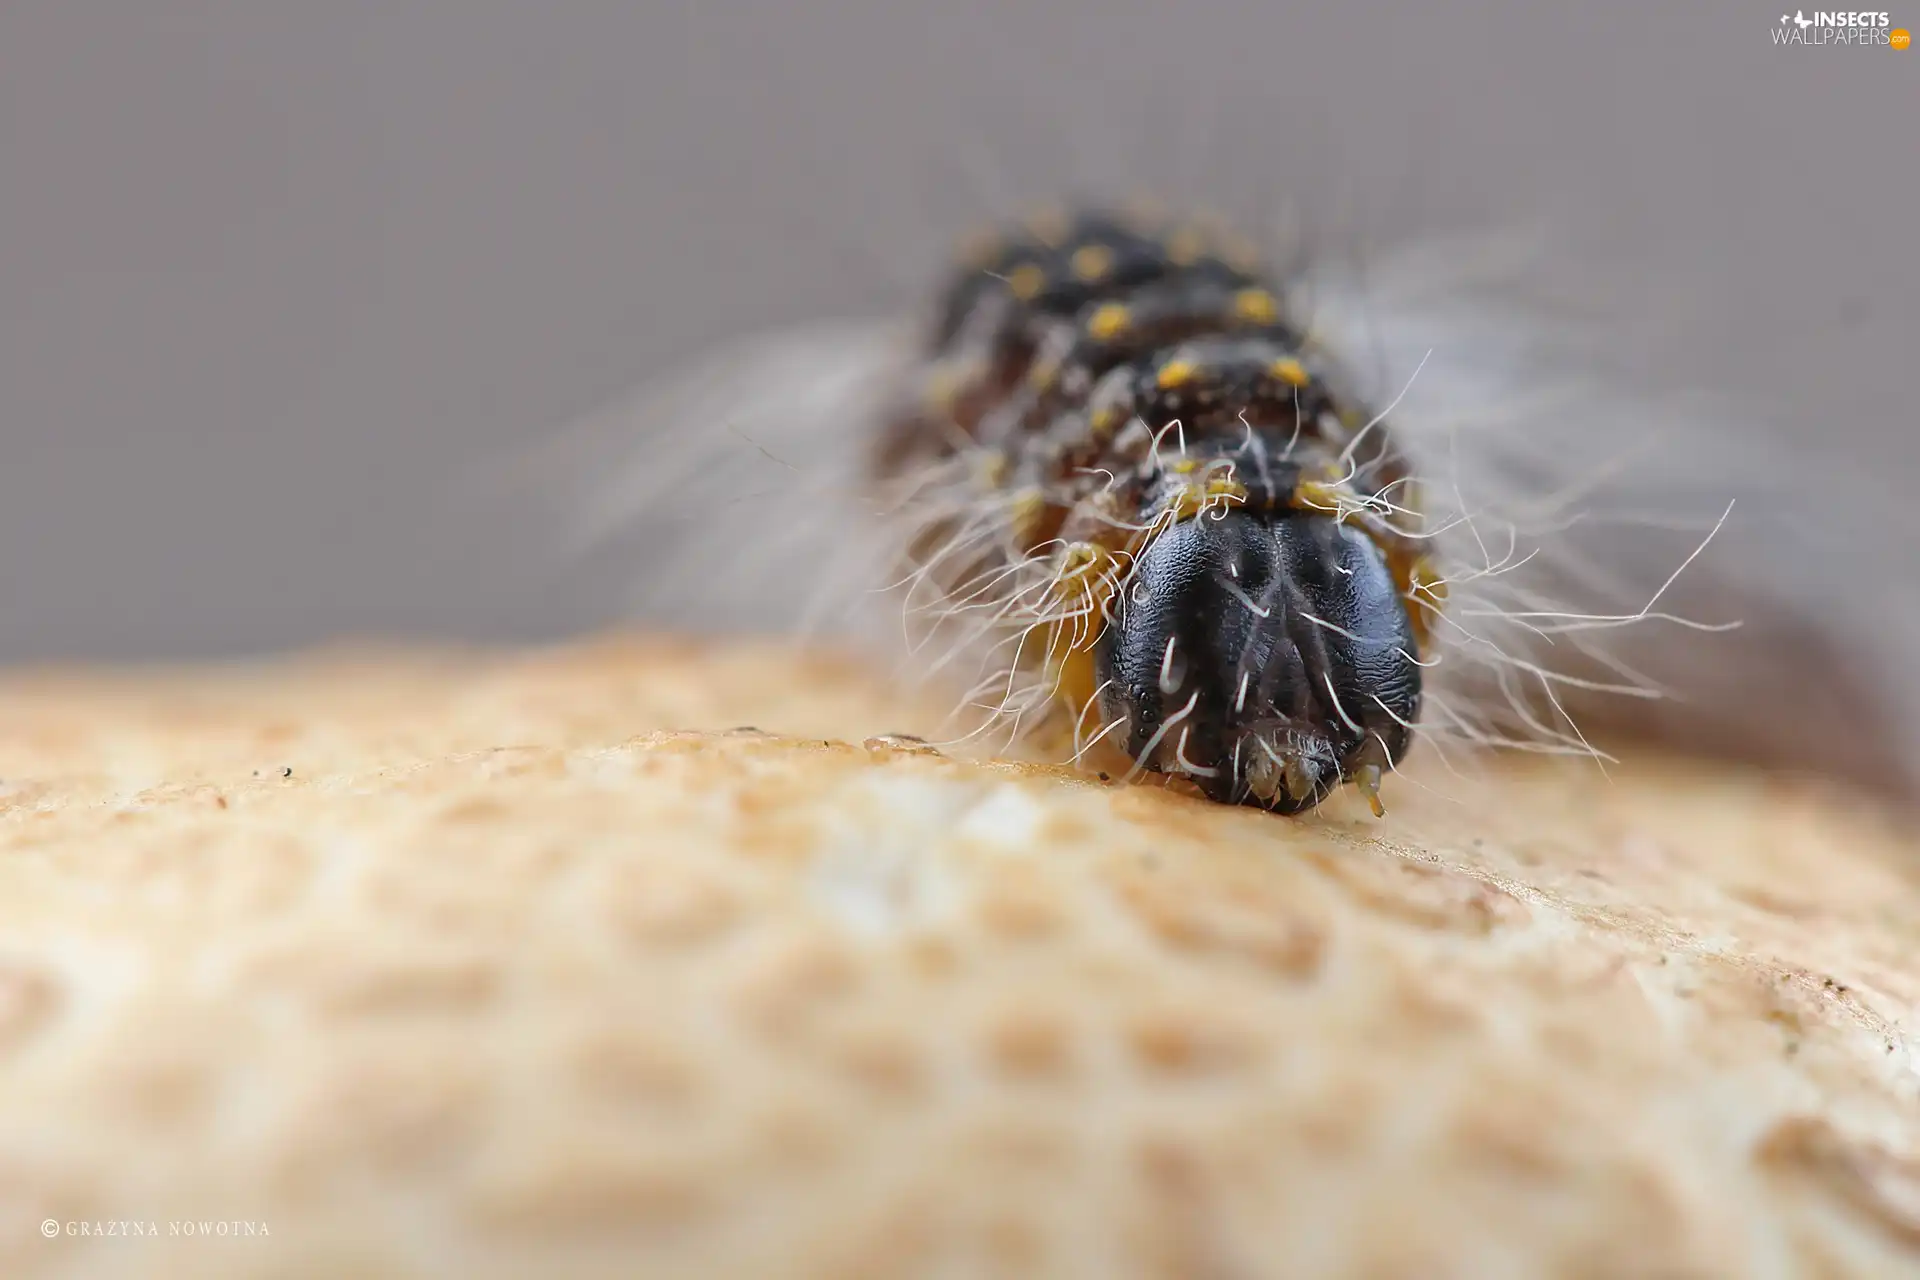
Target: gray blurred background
(275, 276)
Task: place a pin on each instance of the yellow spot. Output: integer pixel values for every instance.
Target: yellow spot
(1092, 262)
(1108, 322)
(1080, 566)
(1315, 495)
(1026, 282)
(1077, 557)
(990, 468)
(1027, 510)
(1103, 420)
(1190, 500)
(1289, 371)
(1255, 306)
(1185, 246)
(1226, 489)
(1175, 373)
(1185, 467)
(1187, 501)
(1041, 376)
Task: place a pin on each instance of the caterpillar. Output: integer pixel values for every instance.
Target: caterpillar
(1132, 488)
(1204, 547)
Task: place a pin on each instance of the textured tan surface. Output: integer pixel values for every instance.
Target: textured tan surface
(489, 985)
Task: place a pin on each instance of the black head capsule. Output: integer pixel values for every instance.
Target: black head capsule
(1266, 656)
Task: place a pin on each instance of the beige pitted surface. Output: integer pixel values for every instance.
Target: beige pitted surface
(504, 978)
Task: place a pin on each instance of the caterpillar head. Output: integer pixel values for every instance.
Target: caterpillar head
(1268, 657)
